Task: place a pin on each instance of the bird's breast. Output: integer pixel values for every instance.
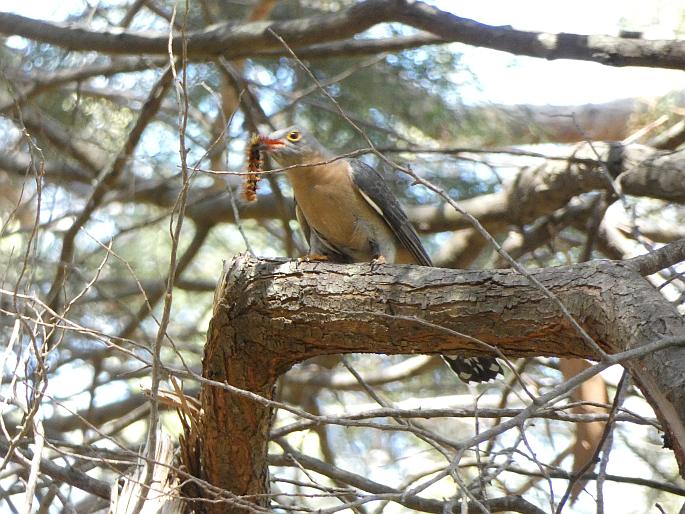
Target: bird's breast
(333, 207)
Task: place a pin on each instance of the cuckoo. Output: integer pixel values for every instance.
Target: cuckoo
(349, 214)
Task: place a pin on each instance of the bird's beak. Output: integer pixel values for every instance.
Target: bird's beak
(268, 144)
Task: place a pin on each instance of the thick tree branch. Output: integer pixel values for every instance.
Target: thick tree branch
(248, 39)
(608, 50)
(359, 47)
(539, 190)
(228, 39)
(269, 315)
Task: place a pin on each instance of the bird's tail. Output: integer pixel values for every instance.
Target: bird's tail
(474, 369)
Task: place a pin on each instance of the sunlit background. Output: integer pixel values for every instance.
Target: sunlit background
(435, 97)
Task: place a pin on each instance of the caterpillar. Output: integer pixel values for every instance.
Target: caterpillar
(254, 166)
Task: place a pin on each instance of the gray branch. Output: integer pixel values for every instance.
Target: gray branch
(243, 40)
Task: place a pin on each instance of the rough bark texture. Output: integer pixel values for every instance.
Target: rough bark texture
(269, 315)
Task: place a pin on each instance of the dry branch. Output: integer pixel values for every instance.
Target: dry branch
(504, 504)
(67, 475)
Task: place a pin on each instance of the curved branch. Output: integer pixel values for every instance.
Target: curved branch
(243, 40)
(228, 39)
(540, 190)
(269, 315)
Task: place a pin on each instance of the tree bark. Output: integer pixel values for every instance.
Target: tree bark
(540, 190)
(271, 314)
(249, 39)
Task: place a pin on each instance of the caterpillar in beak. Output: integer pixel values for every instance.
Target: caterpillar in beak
(254, 166)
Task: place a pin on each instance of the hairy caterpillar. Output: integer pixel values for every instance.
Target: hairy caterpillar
(254, 166)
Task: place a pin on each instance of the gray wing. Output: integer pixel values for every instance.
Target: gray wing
(376, 192)
(302, 221)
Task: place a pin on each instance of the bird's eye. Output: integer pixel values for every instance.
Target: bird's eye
(294, 136)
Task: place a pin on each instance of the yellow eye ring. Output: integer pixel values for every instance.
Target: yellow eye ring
(294, 136)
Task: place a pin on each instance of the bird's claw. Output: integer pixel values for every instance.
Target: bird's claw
(377, 261)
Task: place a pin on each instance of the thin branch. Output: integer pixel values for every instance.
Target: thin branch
(659, 259)
(515, 504)
(68, 475)
(103, 185)
(151, 445)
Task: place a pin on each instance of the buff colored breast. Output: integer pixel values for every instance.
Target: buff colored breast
(332, 206)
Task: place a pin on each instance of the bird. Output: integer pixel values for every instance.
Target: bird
(348, 214)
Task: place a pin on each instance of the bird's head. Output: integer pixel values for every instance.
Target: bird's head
(292, 146)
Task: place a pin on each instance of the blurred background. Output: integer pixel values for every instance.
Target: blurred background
(90, 181)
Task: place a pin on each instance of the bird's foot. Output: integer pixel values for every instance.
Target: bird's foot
(313, 257)
(377, 261)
